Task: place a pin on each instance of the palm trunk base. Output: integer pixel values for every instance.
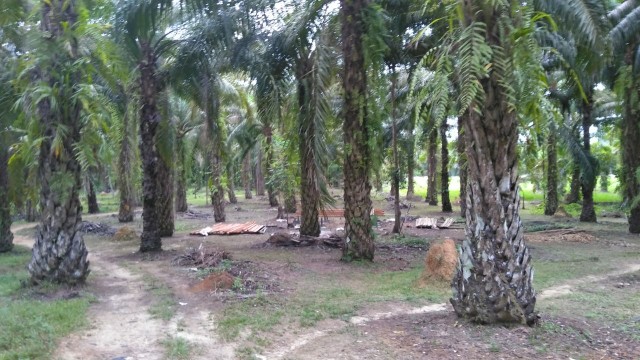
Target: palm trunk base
(59, 257)
(150, 241)
(634, 221)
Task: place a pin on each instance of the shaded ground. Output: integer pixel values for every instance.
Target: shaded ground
(303, 303)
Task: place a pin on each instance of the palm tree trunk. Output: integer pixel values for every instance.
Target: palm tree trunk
(493, 281)
(59, 253)
(432, 184)
(181, 181)
(6, 236)
(217, 191)
(246, 176)
(231, 186)
(630, 154)
(396, 168)
(92, 199)
(309, 190)
(462, 165)
(444, 176)
(411, 162)
(588, 182)
(271, 192)
(290, 203)
(357, 162)
(125, 171)
(259, 174)
(551, 198)
(166, 212)
(574, 188)
(150, 239)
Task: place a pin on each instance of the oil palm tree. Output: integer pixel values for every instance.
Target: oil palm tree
(56, 100)
(10, 15)
(626, 42)
(357, 161)
(493, 282)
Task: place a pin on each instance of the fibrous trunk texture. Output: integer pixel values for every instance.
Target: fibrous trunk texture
(125, 171)
(271, 192)
(630, 154)
(181, 174)
(217, 191)
(260, 187)
(396, 166)
(573, 196)
(309, 189)
(6, 236)
(588, 183)
(59, 253)
(231, 186)
(92, 199)
(493, 281)
(551, 198)
(357, 162)
(444, 159)
(411, 163)
(150, 239)
(246, 176)
(432, 183)
(462, 165)
(166, 212)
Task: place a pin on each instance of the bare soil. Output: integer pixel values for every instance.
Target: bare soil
(122, 327)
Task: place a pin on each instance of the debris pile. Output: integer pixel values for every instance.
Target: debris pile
(88, 227)
(231, 229)
(285, 239)
(125, 233)
(201, 257)
(432, 223)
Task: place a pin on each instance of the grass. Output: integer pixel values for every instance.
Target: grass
(164, 303)
(258, 314)
(570, 262)
(177, 348)
(29, 329)
(405, 240)
(328, 298)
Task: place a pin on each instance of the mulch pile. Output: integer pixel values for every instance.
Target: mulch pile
(440, 263)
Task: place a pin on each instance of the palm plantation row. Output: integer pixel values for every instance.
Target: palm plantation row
(152, 97)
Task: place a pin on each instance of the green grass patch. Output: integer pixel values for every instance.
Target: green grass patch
(164, 302)
(29, 329)
(177, 348)
(257, 314)
(406, 240)
(552, 272)
(602, 304)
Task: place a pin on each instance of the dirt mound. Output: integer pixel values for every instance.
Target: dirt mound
(216, 281)
(125, 233)
(560, 236)
(440, 263)
(202, 257)
(562, 213)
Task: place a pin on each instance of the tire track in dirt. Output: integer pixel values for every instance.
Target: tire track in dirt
(305, 339)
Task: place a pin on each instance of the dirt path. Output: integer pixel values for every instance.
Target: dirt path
(306, 343)
(120, 326)
(568, 287)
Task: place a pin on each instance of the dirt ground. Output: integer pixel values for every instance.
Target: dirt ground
(126, 285)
